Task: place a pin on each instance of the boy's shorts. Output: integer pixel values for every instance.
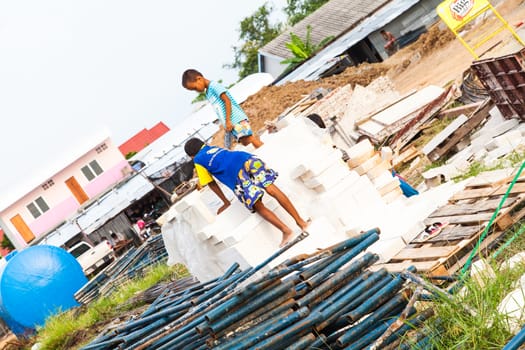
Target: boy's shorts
(252, 179)
(241, 130)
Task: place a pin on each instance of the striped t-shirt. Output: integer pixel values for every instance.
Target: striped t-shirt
(213, 94)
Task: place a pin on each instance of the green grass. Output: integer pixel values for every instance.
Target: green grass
(67, 330)
(456, 328)
(513, 159)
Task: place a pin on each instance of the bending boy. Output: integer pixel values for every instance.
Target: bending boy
(231, 115)
(247, 176)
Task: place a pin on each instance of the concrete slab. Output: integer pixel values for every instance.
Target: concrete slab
(444, 134)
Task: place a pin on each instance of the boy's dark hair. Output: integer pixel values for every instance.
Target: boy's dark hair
(382, 31)
(316, 118)
(193, 146)
(190, 75)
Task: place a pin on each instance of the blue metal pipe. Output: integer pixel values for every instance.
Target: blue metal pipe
(254, 304)
(516, 341)
(302, 343)
(370, 336)
(352, 253)
(376, 300)
(332, 284)
(264, 330)
(351, 299)
(408, 326)
(364, 325)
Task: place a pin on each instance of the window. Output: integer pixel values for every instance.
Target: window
(101, 148)
(79, 249)
(96, 167)
(92, 170)
(46, 185)
(38, 207)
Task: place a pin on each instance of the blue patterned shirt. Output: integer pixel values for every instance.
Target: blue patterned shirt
(213, 94)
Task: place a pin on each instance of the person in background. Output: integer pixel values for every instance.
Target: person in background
(247, 176)
(231, 115)
(391, 45)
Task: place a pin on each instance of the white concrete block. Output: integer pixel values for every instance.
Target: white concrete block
(511, 138)
(393, 195)
(369, 164)
(491, 145)
(521, 128)
(411, 233)
(298, 171)
(383, 179)
(387, 153)
(442, 136)
(513, 308)
(514, 261)
(481, 154)
(387, 249)
(328, 178)
(380, 169)
(362, 148)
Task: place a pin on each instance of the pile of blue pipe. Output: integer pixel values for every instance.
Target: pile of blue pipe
(130, 265)
(326, 300)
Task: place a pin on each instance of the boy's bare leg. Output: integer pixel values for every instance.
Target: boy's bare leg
(273, 219)
(253, 139)
(285, 202)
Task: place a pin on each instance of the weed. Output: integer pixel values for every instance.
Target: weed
(485, 327)
(69, 329)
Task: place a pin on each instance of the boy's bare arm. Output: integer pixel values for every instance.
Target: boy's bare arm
(217, 190)
(228, 116)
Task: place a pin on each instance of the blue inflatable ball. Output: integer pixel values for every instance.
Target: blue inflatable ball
(38, 282)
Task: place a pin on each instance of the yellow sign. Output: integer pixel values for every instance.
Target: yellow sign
(457, 13)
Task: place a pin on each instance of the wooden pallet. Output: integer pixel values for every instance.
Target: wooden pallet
(467, 212)
(475, 119)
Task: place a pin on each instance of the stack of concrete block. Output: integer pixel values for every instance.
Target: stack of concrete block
(333, 104)
(498, 138)
(339, 201)
(365, 160)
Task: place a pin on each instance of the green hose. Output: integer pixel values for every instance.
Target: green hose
(486, 230)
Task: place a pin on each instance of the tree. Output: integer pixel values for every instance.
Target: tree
(255, 32)
(6, 243)
(303, 50)
(296, 10)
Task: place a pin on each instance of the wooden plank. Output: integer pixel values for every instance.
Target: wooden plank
(421, 266)
(471, 208)
(456, 233)
(458, 263)
(461, 219)
(474, 120)
(486, 192)
(454, 112)
(408, 154)
(451, 233)
(424, 253)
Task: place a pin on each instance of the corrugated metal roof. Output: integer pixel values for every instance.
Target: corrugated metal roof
(332, 19)
(324, 59)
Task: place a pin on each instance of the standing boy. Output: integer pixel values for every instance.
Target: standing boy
(231, 115)
(247, 176)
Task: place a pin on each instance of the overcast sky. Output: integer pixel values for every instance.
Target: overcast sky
(70, 69)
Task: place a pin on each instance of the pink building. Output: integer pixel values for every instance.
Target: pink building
(61, 195)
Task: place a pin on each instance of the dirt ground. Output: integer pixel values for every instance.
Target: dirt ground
(437, 58)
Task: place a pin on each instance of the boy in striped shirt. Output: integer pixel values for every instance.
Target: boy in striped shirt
(231, 115)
